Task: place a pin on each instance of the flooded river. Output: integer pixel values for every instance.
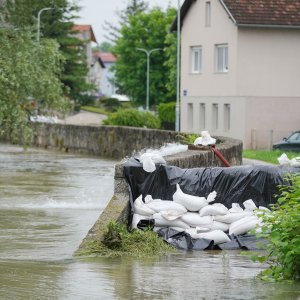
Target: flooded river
(48, 202)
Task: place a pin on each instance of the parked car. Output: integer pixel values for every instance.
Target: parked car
(291, 143)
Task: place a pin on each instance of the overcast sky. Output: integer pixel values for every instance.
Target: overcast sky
(95, 12)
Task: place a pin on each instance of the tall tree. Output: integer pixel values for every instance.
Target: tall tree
(57, 24)
(27, 73)
(147, 30)
(133, 8)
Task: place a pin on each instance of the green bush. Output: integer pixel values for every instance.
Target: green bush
(132, 117)
(110, 104)
(282, 230)
(166, 114)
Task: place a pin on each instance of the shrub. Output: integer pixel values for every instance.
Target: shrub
(132, 117)
(166, 114)
(110, 104)
(282, 230)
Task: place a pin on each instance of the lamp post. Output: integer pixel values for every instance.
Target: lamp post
(177, 108)
(39, 21)
(148, 53)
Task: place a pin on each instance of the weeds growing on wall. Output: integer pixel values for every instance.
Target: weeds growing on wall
(282, 230)
(118, 241)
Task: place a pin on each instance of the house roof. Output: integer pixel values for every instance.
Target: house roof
(264, 12)
(259, 13)
(107, 57)
(85, 28)
(96, 56)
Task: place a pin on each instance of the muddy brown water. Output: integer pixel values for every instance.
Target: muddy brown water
(48, 202)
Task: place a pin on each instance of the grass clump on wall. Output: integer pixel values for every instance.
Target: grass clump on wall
(118, 241)
(133, 118)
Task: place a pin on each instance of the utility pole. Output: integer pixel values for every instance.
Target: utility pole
(148, 53)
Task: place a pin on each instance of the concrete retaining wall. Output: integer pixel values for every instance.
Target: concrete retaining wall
(105, 141)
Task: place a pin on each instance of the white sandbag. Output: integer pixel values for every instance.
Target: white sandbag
(148, 163)
(211, 196)
(283, 159)
(219, 226)
(263, 208)
(215, 209)
(232, 217)
(171, 214)
(194, 232)
(249, 205)
(235, 207)
(157, 228)
(136, 218)
(205, 139)
(244, 225)
(295, 162)
(141, 208)
(190, 202)
(166, 205)
(161, 221)
(218, 236)
(194, 220)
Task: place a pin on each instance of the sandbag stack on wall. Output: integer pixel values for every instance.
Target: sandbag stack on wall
(198, 216)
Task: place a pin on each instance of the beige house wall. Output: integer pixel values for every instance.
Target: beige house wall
(268, 62)
(269, 119)
(195, 33)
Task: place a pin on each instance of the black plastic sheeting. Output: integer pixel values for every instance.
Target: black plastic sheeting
(233, 185)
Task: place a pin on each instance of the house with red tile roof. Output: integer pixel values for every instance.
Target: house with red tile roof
(95, 64)
(108, 87)
(240, 69)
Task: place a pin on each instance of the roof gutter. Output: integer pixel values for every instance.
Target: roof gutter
(228, 12)
(269, 26)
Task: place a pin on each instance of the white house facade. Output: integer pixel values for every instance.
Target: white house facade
(94, 63)
(240, 69)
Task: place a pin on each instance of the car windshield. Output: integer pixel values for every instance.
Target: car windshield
(294, 137)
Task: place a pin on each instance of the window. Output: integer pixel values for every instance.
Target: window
(215, 116)
(190, 116)
(207, 13)
(202, 116)
(196, 59)
(222, 58)
(226, 117)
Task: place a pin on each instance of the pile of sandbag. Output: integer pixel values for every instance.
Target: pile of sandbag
(197, 216)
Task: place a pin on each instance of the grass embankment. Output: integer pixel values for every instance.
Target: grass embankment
(94, 109)
(118, 241)
(267, 155)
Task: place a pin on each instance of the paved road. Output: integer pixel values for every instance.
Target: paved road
(247, 161)
(84, 118)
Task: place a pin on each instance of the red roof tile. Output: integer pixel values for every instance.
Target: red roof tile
(264, 12)
(107, 57)
(83, 28)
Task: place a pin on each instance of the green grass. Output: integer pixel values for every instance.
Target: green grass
(267, 155)
(118, 241)
(94, 109)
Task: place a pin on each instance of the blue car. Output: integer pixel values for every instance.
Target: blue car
(291, 143)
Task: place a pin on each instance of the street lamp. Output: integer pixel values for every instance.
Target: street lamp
(39, 21)
(148, 53)
(177, 108)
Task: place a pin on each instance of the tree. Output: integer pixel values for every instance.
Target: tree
(146, 30)
(133, 8)
(103, 47)
(29, 75)
(56, 24)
